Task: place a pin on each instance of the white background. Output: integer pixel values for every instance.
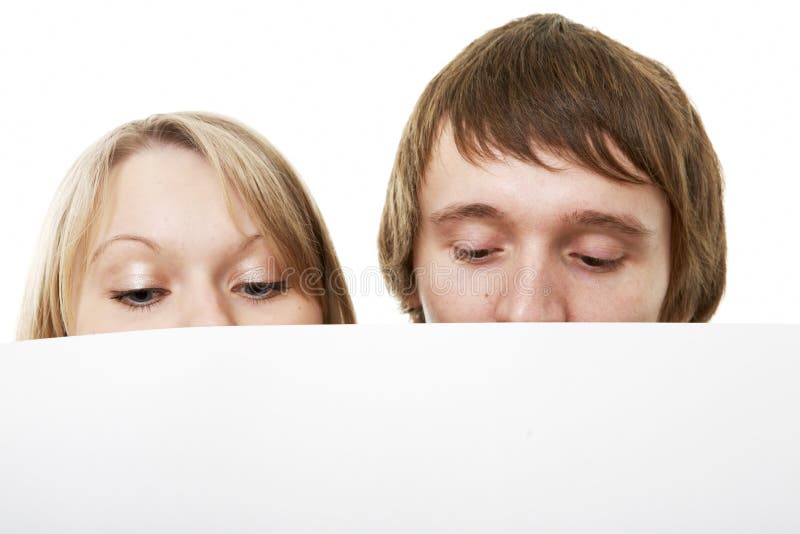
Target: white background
(331, 84)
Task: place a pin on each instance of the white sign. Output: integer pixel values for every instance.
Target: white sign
(498, 428)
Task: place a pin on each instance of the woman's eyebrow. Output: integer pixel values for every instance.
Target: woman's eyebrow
(152, 245)
(474, 210)
(622, 224)
(247, 242)
(155, 247)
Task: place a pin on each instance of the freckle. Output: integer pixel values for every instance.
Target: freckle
(486, 295)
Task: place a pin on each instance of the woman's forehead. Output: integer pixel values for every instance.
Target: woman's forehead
(171, 195)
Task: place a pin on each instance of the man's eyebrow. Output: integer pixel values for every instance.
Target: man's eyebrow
(152, 245)
(623, 224)
(475, 210)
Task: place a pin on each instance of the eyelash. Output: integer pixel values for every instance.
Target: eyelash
(121, 296)
(599, 265)
(473, 255)
(272, 288)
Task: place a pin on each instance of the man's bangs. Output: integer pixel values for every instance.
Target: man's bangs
(585, 146)
(559, 88)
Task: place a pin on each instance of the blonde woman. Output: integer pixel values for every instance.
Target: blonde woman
(182, 219)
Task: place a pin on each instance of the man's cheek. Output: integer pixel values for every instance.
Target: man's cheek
(457, 307)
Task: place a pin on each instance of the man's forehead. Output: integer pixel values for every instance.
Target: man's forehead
(522, 193)
(479, 152)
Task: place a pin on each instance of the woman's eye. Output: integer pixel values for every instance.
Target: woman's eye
(472, 255)
(140, 298)
(261, 290)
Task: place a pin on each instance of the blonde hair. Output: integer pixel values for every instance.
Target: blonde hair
(545, 81)
(246, 162)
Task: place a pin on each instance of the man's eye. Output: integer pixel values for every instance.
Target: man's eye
(472, 255)
(261, 290)
(140, 298)
(599, 264)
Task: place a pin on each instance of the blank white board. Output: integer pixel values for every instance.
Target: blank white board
(404, 428)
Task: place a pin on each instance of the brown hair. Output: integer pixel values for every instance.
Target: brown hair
(245, 162)
(545, 82)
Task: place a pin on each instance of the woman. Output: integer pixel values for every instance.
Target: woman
(182, 219)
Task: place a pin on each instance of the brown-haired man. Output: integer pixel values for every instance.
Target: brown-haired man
(549, 173)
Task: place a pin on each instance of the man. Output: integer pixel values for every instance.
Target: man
(549, 173)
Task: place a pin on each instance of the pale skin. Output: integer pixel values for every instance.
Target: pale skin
(513, 241)
(164, 252)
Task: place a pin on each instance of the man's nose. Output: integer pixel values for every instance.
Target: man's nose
(532, 297)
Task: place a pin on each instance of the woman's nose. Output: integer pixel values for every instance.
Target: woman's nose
(208, 306)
